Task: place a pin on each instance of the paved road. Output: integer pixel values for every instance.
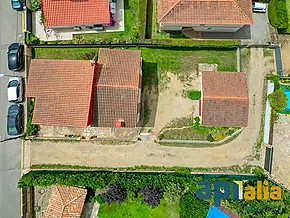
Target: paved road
(10, 151)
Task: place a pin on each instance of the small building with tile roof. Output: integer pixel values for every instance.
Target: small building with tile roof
(205, 15)
(63, 92)
(68, 13)
(118, 88)
(66, 202)
(225, 100)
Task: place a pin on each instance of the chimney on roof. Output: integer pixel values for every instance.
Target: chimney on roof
(93, 61)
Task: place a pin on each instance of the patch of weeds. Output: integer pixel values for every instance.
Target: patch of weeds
(268, 52)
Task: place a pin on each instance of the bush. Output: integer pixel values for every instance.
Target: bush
(194, 95)
(210, 138)
(278, 100)
(220, 137)
(192, 207)
(196, 122)
(32, 39)
(151, 196)
(31, 129)
(278, 15)
(230, 132)
(172, 192)
(35, 5)
(114, 194)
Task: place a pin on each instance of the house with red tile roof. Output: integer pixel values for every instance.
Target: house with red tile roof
(118, 88)
(225, 100)
(66, 202)
(63, 92)
(80, 14)
(205, 15)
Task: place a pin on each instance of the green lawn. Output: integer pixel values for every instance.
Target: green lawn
(278, 13)
(65, 53)
(130, 35)
(135, 209)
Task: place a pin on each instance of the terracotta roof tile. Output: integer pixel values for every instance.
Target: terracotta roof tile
(71, 12)
(65, 202)
(205, 11)
(118, 87)
(225, 100)
(63, 91)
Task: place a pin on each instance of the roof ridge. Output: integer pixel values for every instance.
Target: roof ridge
(116, 86)
(226, 97)
(63, 205)
(169, 10)
(73, 199)
(238, 6)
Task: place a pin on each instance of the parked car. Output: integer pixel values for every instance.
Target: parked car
(15, 89)
(15, 57)
(15, 119)
(259, 7)
(17, 5)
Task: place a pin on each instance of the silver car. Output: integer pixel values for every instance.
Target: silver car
(15, 89)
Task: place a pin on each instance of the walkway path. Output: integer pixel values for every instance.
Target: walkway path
(150, 153)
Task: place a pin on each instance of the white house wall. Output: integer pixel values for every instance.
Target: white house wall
(203, 28)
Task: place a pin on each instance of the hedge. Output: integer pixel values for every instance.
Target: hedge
(278, 15)
(143, 18)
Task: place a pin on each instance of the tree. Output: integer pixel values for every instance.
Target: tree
(278, 100)
(115, 194)
(151, 196)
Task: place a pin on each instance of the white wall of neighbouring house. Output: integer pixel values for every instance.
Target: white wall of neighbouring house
(203, 28)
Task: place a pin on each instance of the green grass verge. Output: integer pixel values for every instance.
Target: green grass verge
(135, 208)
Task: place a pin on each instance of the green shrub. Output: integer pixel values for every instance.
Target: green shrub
(192, 207)
(31, 129)
(219, 137)
(196, 122)
(172, 193)
(35, 5)
(210, 138)
(32, 39)
(278, 100)
(278, 15)
(194, 94)
(230, 132)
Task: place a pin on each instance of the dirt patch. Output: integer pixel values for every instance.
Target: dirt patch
(285, 45)
(170, 104)
(281, 156)
(41, 199)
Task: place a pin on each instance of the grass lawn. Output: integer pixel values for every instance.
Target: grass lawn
(64, 53)
(278, 13)
(130, 35)
(135, 208)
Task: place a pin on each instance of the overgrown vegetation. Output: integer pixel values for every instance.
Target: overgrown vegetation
(151, 196)
(35, 5)
(31, 129)
(187, 128)
(194, 94)
(278, 14)
(185, 185)
(143, 19)
(278, 100)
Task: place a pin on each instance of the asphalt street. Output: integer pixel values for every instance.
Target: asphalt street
(10, 151)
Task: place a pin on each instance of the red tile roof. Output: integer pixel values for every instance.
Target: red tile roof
(66, 202)
(118, 87)
(205, 11)
(225, 100)
(75, 12)
(63, 91)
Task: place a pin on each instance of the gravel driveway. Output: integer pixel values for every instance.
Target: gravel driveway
(150, 153)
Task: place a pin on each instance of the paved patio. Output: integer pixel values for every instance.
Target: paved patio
(68, 34)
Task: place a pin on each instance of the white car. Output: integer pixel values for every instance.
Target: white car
(15, 89)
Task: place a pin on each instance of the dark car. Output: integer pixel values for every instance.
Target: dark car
(15, 57)
(15, 119)
(17, 5)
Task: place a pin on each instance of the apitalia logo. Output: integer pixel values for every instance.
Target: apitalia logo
(223, 189)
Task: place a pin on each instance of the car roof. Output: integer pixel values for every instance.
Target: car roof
(14, 108)
(14, 45)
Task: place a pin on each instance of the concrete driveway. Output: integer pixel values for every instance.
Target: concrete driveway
(10, 151)
(150, 153)
(256, 33)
